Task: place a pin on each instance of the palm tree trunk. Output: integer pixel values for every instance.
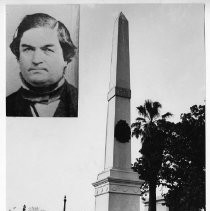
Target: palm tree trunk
(152, 196)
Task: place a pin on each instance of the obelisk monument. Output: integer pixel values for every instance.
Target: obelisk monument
(117, 187)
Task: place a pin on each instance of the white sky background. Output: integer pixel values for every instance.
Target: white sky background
(48, 158)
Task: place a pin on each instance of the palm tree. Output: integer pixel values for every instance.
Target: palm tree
(149, 127)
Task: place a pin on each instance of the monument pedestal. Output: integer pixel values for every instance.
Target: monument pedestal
(117, 190)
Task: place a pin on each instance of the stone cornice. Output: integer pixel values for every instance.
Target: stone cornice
(117, 181)
(120, 92)
(115, 185)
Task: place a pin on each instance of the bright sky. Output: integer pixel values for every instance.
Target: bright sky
(48, 158)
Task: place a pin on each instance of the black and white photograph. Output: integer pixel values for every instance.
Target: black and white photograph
(139, 140)
(42, 65)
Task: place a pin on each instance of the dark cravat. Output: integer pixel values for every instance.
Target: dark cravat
(43, 95)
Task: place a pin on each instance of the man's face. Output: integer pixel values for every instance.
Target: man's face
(41, 57)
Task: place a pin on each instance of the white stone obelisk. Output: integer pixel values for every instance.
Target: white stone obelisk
(117, 187)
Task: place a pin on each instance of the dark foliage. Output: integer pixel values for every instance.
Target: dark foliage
(172, 155)
(183, 170)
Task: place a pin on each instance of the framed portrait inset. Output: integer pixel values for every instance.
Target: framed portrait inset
(42, 60)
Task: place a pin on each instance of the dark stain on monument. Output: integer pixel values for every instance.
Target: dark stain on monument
(122, 131)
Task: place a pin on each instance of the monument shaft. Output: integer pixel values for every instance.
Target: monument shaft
(117, 154)
(117, 187)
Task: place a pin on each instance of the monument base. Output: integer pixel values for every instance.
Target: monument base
(117, 190)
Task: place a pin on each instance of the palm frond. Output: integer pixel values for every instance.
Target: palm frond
(142, 111)
(140, 119)
(167, 115)
(156, 109)
(157, 105)
(136, 124)
(152, 109)
(148, 107)
(137, 132)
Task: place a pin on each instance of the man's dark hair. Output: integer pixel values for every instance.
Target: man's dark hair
(43, 20)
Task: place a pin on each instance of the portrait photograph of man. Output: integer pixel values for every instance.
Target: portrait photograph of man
(43, 81)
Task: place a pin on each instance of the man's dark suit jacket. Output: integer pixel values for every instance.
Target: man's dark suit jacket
(17, 106)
